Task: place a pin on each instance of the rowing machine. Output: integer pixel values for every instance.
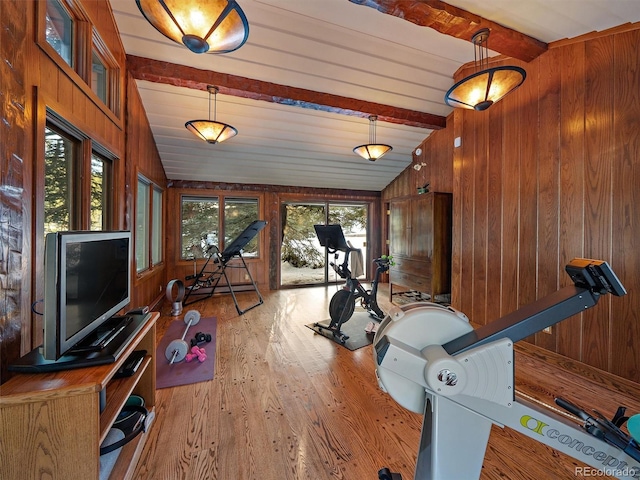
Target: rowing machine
(430, 360)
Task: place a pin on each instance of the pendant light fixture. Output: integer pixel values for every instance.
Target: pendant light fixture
(487, 85)
(211, 131)
(372, 151)
(203, 26)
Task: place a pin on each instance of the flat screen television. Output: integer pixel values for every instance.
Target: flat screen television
(87, 281)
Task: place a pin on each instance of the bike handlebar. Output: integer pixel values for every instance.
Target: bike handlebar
(384, 262)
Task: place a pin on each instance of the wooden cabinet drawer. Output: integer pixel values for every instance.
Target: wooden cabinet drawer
(422, 283)
(411, 266)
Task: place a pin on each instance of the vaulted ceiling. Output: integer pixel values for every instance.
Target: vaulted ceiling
(311, 72)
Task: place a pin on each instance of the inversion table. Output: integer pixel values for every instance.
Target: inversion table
(205, 282)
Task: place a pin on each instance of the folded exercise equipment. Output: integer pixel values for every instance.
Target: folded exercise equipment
(207, 280)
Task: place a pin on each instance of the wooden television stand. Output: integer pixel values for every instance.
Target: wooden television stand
(51, 425)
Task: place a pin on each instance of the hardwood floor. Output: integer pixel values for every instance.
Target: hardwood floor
(286, 403)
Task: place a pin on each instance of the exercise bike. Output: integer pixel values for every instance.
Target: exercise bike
(343, 302)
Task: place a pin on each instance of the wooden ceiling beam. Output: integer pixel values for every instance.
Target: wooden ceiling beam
(459, 23)
(183, 76)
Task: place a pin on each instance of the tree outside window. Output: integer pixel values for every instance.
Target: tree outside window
(238, 215)
(205, 224)
(100, 193)
(70, 179)
(60, 151)
(199, 221)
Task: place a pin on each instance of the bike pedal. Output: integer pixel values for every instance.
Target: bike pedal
(372, 327)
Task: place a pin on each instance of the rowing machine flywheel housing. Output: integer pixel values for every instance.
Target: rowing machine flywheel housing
(417, 325)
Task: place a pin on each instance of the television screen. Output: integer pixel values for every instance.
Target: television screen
(87, 281)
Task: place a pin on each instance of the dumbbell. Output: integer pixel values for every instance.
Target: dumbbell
(200, 338)
(178, 348)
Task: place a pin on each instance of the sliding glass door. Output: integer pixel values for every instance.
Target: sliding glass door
(303, 260)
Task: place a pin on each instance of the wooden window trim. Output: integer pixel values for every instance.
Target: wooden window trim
(157, 188)
(85, 39)
(221, 196)
(113, 73)
(150, 266)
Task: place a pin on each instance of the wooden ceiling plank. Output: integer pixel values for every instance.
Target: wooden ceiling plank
(459, 23)
(183, 76)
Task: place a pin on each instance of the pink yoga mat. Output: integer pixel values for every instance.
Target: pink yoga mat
(183, 373)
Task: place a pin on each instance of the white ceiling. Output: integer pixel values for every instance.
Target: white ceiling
(335, 47)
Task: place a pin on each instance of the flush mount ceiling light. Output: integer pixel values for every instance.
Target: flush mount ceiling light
(211, 131)
(203, 26)
(372, 151)
(488, 85)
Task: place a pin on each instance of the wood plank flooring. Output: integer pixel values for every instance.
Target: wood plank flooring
(287, 404)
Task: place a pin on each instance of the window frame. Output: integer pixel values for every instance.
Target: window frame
(195, 197)
(150, 232)
(74, 18)
(80, 36)
(73, 174)
(221, 198)
(85, 41)
(142, 264)
(112, 90)
(224, 221)
(108, 163)
(85, 148)
(157, 217)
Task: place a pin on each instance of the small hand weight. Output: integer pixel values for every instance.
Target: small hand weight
(200, 338)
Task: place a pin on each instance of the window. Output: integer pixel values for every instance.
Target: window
(104, 74)
(59, 30)
(100, 193)
(66, 34)
(78, 192)
(142, 224)
(204, 224)
(60, 157)
(99, 77)
(156, 235)
(301, 256)
(148, 225)
(200, 223)
(238, 214)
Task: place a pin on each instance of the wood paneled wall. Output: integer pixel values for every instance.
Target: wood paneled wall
(32, 82)
(15, 175)
(143, 159)
(550, 173)
(432, 166)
